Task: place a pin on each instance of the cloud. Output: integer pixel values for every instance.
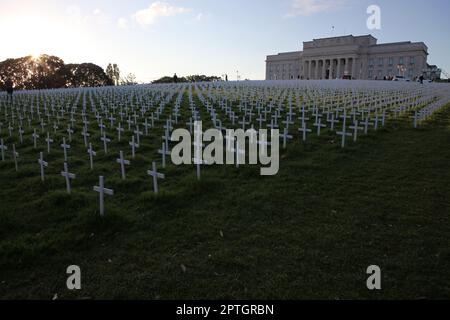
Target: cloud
(199, 17)
(310, 7)
(156, 11)
(100, 17)
(122, 23)
(77, 16)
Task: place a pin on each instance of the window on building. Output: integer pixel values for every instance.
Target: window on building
(391, 61)
(411, 60)
(371, 62)
(400, 61)
(370, 74)
(380, 61)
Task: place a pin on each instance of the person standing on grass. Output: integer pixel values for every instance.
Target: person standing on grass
(421, 79)
(9, 89)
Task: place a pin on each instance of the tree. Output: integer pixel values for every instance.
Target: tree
(110, 72)
(129, 80)
(46, 72)
(87, 75)
(116, 73)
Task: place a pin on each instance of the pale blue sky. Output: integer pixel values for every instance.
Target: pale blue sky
(213, 37)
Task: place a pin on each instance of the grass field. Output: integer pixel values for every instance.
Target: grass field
(308, 233)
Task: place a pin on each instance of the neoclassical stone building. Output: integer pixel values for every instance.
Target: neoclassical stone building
(359, 57)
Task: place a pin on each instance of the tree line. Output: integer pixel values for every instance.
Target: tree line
(50, 72)
(193, 78)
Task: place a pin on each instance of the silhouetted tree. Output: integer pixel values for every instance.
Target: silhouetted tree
(129, 80)
(116, 73)
(47, 72)
(87, 75)
(110, 72)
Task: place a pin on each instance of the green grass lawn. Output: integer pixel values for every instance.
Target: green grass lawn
(308, 233)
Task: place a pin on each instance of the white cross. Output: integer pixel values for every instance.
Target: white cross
(343, 133)
(133, 145)
(35, 137)
(21, 132)
(105, 142)
(65, 147)
(319, 125)
(66, 174)
(49, 142)
(122, 163)
(304, 130)
(91, 153)
(3, 148)
(119, 132)
(146, 126)
(155, 176)
(102, 191)
(69, 131)
(285, 137)
(163, 152)
(85, 135)
(43, 164)
(355, 129)
(138, 134)
(15, 156)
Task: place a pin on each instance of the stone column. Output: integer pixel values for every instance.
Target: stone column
(347, 61)
(316, 68)
(331, 69)
(354, 75)
(338, 74)
(324, 69)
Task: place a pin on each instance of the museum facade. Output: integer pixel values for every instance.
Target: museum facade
(356, 57)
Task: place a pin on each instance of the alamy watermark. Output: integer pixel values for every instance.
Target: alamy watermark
(374, 19)
(233, 149)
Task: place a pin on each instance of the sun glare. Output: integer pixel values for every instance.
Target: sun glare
(33, 35)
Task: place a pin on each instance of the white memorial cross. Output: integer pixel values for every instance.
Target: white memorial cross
(355, 129)
(35, 137)
(3, 148)
(119, 131)
(105, 142)
(91, 153)
(69, 131)
(67, 175)
(304, 130)
(85, 135)
(65, 146)
(49, 142)
(343, 133)
(133, 145)
(102, 191)
(285, 137)
(138, 133)
(42, 164)
(163, 152)
(15, 156)
(319, 125)
(122, 163)
(21, 132)
(155, 176)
